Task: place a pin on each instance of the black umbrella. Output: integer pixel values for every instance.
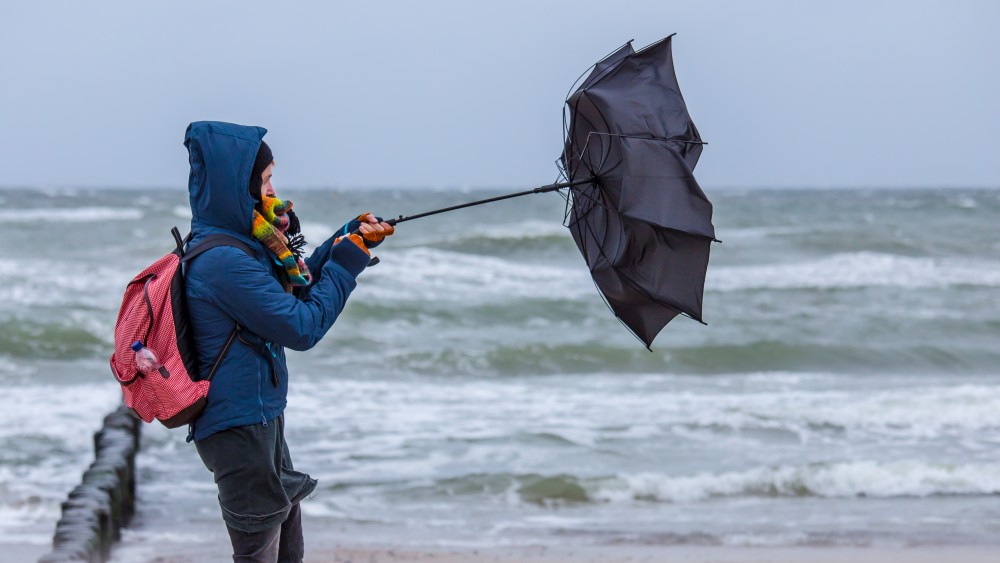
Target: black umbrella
(641, 221)
(633, 206)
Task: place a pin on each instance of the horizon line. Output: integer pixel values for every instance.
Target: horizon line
(459, 188)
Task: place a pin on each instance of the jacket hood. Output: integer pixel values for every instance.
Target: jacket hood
(221, 157)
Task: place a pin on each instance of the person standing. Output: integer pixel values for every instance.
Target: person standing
(274, 301)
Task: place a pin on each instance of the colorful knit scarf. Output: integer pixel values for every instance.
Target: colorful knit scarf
(271, 219)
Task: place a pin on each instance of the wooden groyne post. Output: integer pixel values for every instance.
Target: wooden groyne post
(104, 501)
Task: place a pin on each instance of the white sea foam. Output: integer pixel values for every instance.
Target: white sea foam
(916, 411)
(913, 412)
(765, 540)
(55, 424)
(70, 283)
(316, 233)
(755, 234)
(439, 275)
(970, 412)
(71, 214)
(532, 228)
(511, 232)
(964, 201)
(856, 270)
(836, 480)
(194, 544)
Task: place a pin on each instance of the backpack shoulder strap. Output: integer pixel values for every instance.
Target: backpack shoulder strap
(213, 241)
(208, 242)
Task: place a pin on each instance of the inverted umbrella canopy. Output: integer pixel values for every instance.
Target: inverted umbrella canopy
(635, 211)
(634, 208)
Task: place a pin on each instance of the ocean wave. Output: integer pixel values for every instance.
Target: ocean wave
(468, 354)
(828, 480)
(616, 413)
(73, 284)
(528, 235)
(45, 444)
(554, 338)
(794, 354)
(968, 412)
(316, 233)
(858, 479)
(502, 236)
(763, 232)
(71, 215)
(857, 270)
(59, 339)
(427, 274)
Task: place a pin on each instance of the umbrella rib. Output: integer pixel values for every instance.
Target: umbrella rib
(577, 81)
(594, 201)
(634, 286)
(580, 160)
(630, 281)
(650, 138)
(605, 154)
(604, 297)
(619, 319)
(567, 144)
(660, 302)
(593, 234)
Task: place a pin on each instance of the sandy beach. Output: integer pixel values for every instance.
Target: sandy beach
(636, 554)
(633, 553)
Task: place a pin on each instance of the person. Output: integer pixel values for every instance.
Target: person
(275, 301)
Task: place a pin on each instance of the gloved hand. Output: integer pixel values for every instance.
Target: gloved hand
(373, 229)
(356, 239)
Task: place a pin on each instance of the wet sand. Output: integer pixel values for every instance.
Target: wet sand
(357, 545)
(23, 551)
(645, 554)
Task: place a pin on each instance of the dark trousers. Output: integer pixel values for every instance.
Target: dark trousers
(281, 544)
(259, 491)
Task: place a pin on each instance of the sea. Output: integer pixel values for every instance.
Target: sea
(476, 391)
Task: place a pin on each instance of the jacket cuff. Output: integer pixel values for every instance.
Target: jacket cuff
(350, 257)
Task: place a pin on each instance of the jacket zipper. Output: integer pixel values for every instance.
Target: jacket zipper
(260, 394)
(274, 364)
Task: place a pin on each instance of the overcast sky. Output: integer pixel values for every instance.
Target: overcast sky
(469, 93)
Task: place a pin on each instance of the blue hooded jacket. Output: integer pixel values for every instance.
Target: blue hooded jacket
(225, 286)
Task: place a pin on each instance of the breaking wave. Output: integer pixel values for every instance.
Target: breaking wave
(822, 480)
(71, 215)
(835, 480)
(857, 270)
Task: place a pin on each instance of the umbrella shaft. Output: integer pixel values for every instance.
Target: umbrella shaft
(539, 190)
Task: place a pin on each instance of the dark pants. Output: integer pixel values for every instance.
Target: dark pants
(259, 491)
(283, 543)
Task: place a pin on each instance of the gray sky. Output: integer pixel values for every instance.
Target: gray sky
(469, 94)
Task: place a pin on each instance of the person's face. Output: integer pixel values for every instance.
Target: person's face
(266, 188)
